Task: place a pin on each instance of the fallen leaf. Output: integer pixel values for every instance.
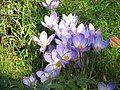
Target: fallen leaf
(94, 1)
(115, 41)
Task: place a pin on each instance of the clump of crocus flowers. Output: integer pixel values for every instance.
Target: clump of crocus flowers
(72, 40)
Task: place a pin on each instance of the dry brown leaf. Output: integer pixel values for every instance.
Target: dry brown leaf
(94, 1)
(115, 41)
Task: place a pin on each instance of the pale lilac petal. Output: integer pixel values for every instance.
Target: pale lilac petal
(60, 49)
(77, 39)
(49, 68)
(54, 73)
(80, 28)
(36, 40)
(58, 41)
(56, 4)
(98, 40)
(43, 37)
(39, 73)
(44, 5)
(32, 77)
(44, 24)
(62, 24)
(53, 15)
(84, 42)
(48, 57)
(42, 49)
(102, 86)
(98, 32)
(48, 1)
(55, 55)
(26, 81)
(111, 86)
(43, 78)
(64, 40)
(105, 43)
(50, 39)
(91, 27)
(48, 21)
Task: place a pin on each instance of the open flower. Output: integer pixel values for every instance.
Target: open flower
(51, 4)
(99, 44)
(43, 40)
(43, 75)
(51, 22)
(66, 53)
(80, 42)
(29, 80)
(46, 75)
(103, 86)
(53, 59)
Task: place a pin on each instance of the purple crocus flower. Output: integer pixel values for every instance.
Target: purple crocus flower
(66, 53)
(29, 80)
(70, 19)
(51, 22)
(67, 25)
(51, 4)
(53, 59)
(64, 41)
(99, 44)
(87, 30)
(103, 86)
(46, 74)
(43, 40)
(80, 42)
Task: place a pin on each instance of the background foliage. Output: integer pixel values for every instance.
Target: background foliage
(19, 56)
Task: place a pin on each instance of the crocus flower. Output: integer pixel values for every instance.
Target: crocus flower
(66, 53)
(51, 4)
(51, 22)
(43, 40)
(99, 44)
(67, 25)
(80, 42)
(46, 74)
(64, 40)
(70, 19)
(53, 59)
(87, 30)
(29, 80)
(103, 86)
(43, 75)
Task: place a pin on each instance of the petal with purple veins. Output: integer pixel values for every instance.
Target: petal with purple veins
(26, 81)
(105, 43)
(36, 40)
(48, 57)
(80, 28)
(102, 86)
(111, 86)
(39, 73)
(50, 39)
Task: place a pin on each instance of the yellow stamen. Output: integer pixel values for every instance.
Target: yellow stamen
(97, 48)
(66, 57)
(80, 47)
(57, 64)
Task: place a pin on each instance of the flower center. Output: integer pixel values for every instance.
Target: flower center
(57, 64)
(80, 47)
(97, 48)
(66, 58)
